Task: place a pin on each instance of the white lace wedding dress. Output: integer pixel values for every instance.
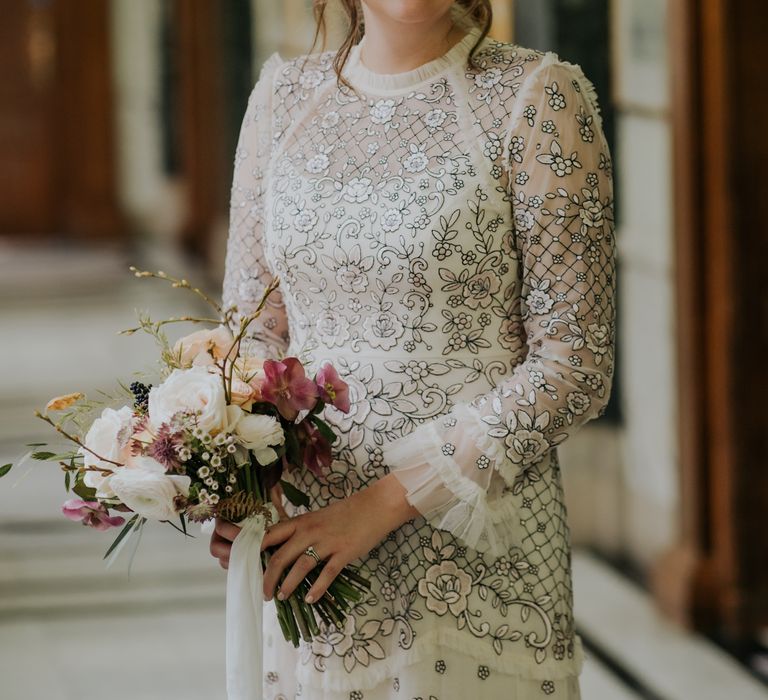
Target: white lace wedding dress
(445, 237)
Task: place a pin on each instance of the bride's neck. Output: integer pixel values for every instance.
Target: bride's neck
(395, 47)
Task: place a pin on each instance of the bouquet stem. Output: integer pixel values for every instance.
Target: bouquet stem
(298, 619)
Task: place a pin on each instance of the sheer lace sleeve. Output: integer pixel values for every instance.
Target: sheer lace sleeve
(247, 273)
(459, 469)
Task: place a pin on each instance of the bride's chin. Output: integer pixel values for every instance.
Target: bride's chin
(410, 11)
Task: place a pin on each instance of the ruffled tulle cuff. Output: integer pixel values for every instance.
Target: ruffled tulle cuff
(461, 498)
(491, 447)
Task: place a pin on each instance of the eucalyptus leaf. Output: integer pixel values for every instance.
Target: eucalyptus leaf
(43, 456)
(5, 469)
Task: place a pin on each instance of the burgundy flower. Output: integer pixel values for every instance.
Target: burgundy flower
(316, 449)
(333, 389)
(287, 386)
(91, 513)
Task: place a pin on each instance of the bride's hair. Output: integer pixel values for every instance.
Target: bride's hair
(474, 12)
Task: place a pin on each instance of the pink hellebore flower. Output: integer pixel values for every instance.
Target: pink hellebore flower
(333, 389)
(286, 386)
(317, 450)
(91, 513)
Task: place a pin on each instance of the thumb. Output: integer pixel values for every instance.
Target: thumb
(276, 496)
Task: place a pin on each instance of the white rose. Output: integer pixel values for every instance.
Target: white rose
(193, 390)
(109, 437)
(257, 433)
(203, 347)
(146, 489)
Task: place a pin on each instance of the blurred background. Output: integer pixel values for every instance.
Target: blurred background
(118, 122)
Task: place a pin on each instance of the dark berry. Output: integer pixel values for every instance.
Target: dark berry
(140, 395)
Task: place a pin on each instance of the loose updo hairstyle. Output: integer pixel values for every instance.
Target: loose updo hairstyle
(478, 13)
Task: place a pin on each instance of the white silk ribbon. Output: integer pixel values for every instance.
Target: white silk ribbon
(244, 611)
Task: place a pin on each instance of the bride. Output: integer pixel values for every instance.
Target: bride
(438, 207)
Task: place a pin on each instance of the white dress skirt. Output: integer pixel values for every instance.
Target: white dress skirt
(444, 237)
(444, 675)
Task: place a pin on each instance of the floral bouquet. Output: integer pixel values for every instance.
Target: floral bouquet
(211, 439)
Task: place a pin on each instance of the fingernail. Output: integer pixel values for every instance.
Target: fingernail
(281, 596)
(310, 598)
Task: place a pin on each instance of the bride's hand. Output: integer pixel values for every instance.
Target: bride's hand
(225, 532)
(340, 533)
(221, 541)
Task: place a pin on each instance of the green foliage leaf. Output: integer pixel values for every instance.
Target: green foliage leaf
(325, 430)
(87, 493)
(5, 469)
(67, 480)
(43, 456)
(292, 450)
(126, 529)
(296, 497)
(182, 529)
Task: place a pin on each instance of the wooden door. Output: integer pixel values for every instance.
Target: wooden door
(212, 44)
(57, 165)
(28, 162)
(717, 578)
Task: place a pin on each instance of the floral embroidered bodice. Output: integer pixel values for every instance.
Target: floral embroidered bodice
(445, 237)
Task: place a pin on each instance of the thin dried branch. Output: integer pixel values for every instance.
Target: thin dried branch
(178, 284)
(165, 322)
(74, 439)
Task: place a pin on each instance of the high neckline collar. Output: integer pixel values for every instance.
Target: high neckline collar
(360, 76)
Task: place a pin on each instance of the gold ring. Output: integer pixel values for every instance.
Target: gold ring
(312, 553)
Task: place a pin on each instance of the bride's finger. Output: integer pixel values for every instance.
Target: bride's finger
(301, 567)
(219, 546)
(277, 533)
(226, 529)
(279, 561)
(330, 571)
(276, 496)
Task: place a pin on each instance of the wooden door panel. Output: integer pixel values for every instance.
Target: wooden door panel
(27, 165)
(57, 165)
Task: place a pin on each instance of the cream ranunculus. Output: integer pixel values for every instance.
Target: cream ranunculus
(247, 366)
(109, 437)
(146, 489)
(193, 390)
(250, 369)
(258, 433)
(202, 348)
(242, 394)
